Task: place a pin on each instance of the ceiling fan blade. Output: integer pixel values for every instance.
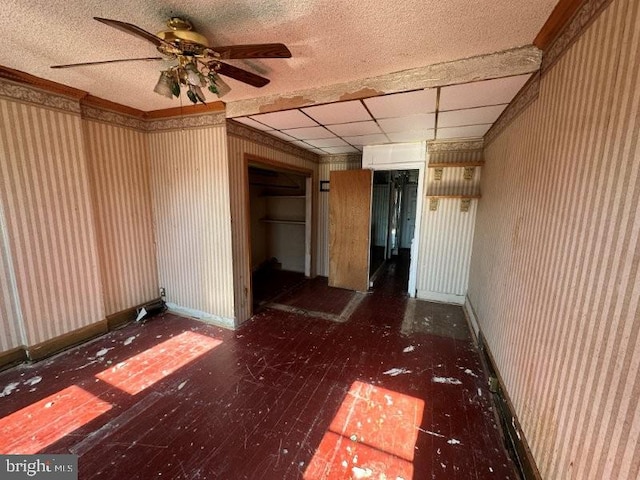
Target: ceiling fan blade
(134, 30)
(85, 64)
(242, 75)
(261, 50)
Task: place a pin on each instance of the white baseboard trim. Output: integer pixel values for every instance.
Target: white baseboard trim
(441, 297)
(471, 315)
(202, 316)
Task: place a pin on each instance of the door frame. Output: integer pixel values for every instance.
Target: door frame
(268, 164)
(415, 246)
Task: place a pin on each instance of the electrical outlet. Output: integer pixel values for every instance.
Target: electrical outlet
(163, 292)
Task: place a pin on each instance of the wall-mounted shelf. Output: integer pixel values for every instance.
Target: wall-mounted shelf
(287, 222)
(456, 164)
(477, 195)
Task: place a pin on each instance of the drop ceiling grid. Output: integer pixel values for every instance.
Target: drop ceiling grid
(458, 111)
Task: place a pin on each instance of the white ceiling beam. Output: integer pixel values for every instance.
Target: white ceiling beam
(516, 61)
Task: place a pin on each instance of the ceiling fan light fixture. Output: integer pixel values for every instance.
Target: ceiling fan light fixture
(164, 87)
(196, 94)
(194, 77)
(217, 85)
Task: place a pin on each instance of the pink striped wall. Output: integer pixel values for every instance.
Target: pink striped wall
(555, 270)
(190, 190)
(46, 202)
(118, 161)
(10, 313)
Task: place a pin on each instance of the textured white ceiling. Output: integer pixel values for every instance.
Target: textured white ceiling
(331, 41)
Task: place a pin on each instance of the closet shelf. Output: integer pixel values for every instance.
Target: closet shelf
(288, 222)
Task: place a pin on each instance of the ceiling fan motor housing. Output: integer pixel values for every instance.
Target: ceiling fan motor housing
(181, 33)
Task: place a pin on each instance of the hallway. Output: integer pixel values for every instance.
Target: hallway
(395, 390)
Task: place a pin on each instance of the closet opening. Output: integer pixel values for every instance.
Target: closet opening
(280, 230)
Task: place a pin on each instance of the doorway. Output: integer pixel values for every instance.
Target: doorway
(280, 230)
(393, 221)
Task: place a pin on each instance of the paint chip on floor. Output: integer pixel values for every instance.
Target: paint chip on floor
(408, 349)
(359, 473)
(446, 380)
(453, 441)
(129, 340)
(33, 380)
(396, 371)
(102, 352)
(8, 390)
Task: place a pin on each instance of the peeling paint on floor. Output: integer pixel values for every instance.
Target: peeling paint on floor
(446, 380)
(397, 371)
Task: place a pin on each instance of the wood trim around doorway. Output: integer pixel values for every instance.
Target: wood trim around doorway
(254, 160)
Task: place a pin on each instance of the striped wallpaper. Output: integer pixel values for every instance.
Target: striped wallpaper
(329, 163)
(190, 191)
(452, 182)
(555, 270)
(118, 162)
(10, 314)
(47, 209)
(238, 146)
(447, 232)
(445, 250)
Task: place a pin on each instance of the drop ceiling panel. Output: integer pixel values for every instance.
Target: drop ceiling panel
(356, 128)
(310, 133)
(473, 131)
(470, 116)
(281, 135)
(416, 136)
(403, 104)
(411, 123)
(336, 150)
(252, 123)
(285, 119)
(302, 144)
(342, 112)
(478, 94)
(328, 142)
(361, 140)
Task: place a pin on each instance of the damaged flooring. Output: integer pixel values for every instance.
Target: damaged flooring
(396, 391)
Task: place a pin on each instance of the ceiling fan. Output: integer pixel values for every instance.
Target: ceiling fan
(197, 63)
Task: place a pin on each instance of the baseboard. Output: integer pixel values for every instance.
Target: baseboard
(12, 357)
(205, 317)
(441, 297)
(117, 320)
(472, 319)
(81, 335)
(515, 437)
(62, 342)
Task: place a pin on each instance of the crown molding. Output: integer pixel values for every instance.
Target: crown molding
(30, 94)
(436, 146)
(190, 121)
(341, 158)
(583, 14)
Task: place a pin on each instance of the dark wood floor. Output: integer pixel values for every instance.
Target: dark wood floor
(380, 395)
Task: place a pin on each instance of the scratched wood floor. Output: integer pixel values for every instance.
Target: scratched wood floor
(383, 396)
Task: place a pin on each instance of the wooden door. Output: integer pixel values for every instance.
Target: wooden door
(349, 228)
